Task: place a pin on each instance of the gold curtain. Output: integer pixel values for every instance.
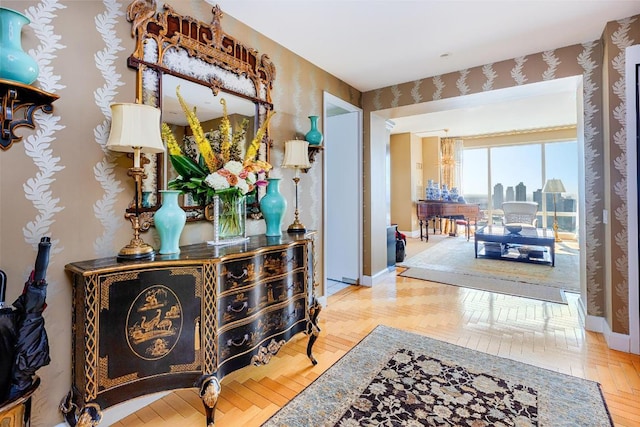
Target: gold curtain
(451, 162)
(447, 159)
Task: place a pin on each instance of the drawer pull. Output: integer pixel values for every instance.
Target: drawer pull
(237, 307)
(243, 275)
(231, 342)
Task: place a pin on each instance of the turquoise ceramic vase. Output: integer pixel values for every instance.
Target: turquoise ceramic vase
(273, 206)
(170, 220)
(313, 137)
(15, 64)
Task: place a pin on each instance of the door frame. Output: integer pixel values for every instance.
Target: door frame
(331, 101)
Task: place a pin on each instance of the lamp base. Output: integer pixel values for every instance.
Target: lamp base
(296, 227)
(137, 249)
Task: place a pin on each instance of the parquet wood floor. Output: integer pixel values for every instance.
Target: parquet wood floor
(539, 333)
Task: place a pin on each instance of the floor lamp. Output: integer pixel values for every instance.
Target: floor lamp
(135, 128)
(296, 156)
(555, 187)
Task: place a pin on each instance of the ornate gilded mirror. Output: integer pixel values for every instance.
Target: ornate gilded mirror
(207, 64)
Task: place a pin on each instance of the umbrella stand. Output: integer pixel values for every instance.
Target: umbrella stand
(18, 411)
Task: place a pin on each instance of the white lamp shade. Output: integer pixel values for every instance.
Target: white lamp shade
(135, 126)
(296, 154)
(553, 186)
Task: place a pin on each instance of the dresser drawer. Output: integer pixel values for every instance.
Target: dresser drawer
(233, 274)
(237, 345)
(238, 305)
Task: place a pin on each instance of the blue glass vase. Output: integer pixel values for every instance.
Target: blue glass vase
(15, 64)
(273, 206)
(170, 220)
(313, 137)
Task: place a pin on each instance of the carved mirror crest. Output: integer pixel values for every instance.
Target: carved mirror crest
(208, 64)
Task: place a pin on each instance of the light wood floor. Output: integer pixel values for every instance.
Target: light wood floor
(542, 334)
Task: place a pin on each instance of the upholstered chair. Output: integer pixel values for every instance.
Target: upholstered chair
(521, 213)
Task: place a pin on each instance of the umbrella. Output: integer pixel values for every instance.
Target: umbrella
(8, 319)
(32, 344)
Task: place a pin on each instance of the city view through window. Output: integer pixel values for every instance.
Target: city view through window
(494, 175)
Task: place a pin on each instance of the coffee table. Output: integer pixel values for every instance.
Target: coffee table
(528, 245)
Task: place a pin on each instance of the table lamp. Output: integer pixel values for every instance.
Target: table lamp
(135, 128)
(296, 156)
(554, 186)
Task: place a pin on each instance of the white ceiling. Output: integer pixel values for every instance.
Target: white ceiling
(372, 44)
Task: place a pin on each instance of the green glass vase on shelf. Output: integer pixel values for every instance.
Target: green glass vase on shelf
(15, 63)
(313, 137)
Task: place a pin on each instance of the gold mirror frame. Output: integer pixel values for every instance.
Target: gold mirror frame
(184, 47)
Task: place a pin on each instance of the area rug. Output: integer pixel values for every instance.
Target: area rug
(394, 378)
(452, 261)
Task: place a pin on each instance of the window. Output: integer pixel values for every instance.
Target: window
(492, 175)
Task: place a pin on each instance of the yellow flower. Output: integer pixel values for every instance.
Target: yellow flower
(172, 144)
(252, 151)
(203, 144)
(225, 130)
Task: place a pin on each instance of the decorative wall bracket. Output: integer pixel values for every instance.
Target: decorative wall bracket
(313, 150)
(19, 102)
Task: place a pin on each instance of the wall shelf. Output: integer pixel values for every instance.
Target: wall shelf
(313, 150)
(19, 102)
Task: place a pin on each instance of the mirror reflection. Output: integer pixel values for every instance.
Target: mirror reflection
(209, 110)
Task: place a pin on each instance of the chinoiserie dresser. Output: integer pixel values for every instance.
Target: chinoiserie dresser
(185, 320)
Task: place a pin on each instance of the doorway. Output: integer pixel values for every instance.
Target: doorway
(342, 194)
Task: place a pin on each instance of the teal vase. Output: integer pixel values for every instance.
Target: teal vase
(170, 220)
(313, 137)
(15, 64)
(273, 206)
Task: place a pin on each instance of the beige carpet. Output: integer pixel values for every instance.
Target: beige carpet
(451, 260)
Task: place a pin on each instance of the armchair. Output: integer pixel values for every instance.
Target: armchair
(522, 213)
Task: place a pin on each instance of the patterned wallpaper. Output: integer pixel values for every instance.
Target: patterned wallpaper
(584, 60)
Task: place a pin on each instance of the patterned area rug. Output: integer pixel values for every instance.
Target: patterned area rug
(394, 378)
(452, 261)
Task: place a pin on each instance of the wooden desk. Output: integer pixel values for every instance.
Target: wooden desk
(185, 320)
(435, 209)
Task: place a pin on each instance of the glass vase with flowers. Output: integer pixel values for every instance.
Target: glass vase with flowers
(214, 172)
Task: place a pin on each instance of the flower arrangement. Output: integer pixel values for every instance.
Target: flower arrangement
(218, 168)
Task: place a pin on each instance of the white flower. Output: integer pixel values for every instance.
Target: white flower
(234, 167)
(251, 178)
(243, 186)
(216, 181)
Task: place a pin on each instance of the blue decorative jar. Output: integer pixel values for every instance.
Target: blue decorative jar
(170, 220)
(313, 137)
(273, 206)
(15, 64)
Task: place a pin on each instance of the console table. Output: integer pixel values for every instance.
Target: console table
(185, 320)
(436, 209)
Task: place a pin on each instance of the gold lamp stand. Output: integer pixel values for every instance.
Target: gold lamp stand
(296, 226)
(137, 248)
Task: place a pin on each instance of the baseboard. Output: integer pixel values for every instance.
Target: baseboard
(615, 341)
(377, 278)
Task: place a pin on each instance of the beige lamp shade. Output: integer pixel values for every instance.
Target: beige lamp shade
(553, 186)
(135, 126)
(296, 154)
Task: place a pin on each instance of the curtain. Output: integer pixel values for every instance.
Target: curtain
(451, 162)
